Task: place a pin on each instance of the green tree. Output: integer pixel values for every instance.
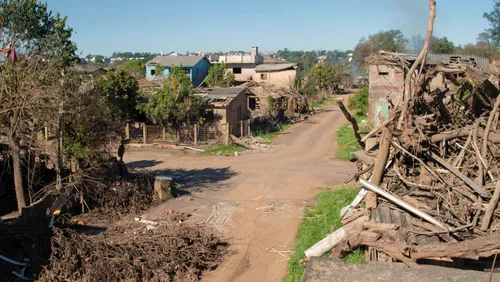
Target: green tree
(390, 41)
(306, 59)
(137, 68)
(493, 33)
(327, 77)
(92, 118)
(442, 46)
(359, 101)
(174, 103)
(32, 78)
(120, 91)
(218, 76)
(481, 48)
(323, 77)
(99, 59)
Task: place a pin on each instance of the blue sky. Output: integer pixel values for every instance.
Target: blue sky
(104, 26)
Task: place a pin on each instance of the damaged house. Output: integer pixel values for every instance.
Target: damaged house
(280, 75)
(386, 76)
(228, 107)
(266, 99)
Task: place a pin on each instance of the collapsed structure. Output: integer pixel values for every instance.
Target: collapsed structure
(387, 76)
(430, 168)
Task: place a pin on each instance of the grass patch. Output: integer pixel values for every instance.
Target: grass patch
(316, 225)
(323, 102)
(267, 137)
(227, 150)
(346, 142)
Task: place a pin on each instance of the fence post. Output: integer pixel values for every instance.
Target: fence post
(227, 133)
(164, 133)
(144, 133)
(46, 133)
(127, 131)
(249, 127)
(196, 134)
(241, 128)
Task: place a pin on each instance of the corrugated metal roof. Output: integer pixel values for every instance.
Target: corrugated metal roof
(222, 94)
(276, 67)
(450, 59)
(170, 61)
(447, 59)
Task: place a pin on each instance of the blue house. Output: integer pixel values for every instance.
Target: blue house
(195, 66)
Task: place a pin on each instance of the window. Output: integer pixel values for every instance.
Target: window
(263, 76)
(153, 72)
(383, 73)
(236, 70)
(252, 103)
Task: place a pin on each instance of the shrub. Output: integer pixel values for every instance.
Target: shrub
(359, 101)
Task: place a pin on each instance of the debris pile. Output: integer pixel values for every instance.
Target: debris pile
(132, 193)
(169, 252)
(431, 179)
(251, 143)
(97, 238)
(100, 193)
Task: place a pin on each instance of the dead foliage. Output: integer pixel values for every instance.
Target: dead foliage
(130, 194)
(441, 157)
(435, 169)
(171, 252)
(99, 193)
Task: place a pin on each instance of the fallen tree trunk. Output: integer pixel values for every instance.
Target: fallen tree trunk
(463, 132)
(363, 157)
(485, 223)
(353, 121)
(473, 249)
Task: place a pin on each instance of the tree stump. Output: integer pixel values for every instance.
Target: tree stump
(163, 188)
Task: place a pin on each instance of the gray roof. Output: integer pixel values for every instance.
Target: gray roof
(84, 69)
(222, 94)
(447, 59)
(274, 67)
(170, 61)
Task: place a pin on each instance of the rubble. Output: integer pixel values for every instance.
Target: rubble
(432, 182)
(100, 235)
(168, 252)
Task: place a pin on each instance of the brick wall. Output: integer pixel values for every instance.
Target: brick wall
(385, 82)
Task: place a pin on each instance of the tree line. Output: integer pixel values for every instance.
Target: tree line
(487, 44)
(307, 59)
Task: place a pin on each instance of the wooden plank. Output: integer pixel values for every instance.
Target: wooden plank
(460, 175)
(395, 200)
(335, 238)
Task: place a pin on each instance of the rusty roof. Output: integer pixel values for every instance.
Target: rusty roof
(274, 67)
(222, 94)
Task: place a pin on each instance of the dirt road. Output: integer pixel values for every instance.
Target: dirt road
(256, 199)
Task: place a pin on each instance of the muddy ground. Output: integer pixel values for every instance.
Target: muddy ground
(254, 200)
